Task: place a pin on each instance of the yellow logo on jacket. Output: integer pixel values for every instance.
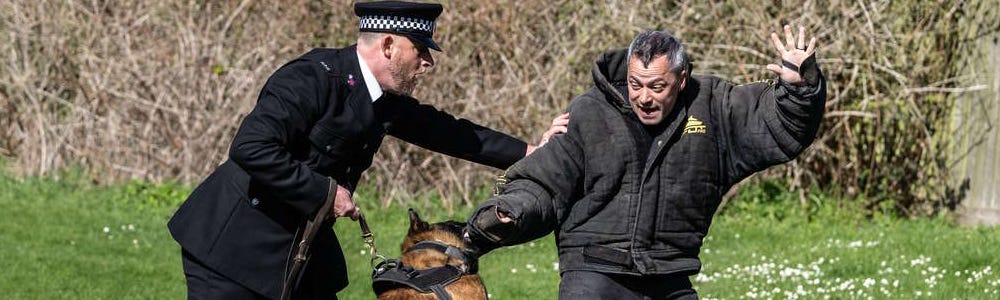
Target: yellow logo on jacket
(695, 126)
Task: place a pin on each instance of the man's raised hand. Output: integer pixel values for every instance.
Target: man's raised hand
(793, 52)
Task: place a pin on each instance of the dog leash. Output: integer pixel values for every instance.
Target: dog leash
(369, 238)
(302, 255)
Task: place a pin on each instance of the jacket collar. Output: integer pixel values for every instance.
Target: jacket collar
(610, 70)
(374, 89)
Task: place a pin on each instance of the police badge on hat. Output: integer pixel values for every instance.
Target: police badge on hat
(414, 20)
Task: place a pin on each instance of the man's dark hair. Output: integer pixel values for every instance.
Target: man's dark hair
(651, 44)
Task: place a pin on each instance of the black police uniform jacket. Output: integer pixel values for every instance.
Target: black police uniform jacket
(314, 122)
(624, 201)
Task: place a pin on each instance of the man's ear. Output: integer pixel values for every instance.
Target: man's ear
(684, 79)
(385, 45)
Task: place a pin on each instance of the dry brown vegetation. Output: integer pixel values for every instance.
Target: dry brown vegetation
(156, 89)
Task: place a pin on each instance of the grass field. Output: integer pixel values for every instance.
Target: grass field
(62, 238)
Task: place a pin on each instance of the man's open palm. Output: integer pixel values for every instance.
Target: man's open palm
(793, 52)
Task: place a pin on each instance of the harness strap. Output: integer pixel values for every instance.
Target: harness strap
(391, 274)
(466, 256)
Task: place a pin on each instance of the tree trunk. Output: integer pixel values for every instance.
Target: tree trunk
(977, 140)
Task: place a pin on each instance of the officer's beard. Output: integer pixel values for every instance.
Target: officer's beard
(404, 84)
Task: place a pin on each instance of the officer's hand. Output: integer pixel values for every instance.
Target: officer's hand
(559, 126)
(343, 205)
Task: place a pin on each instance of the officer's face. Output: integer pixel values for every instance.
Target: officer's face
(409, 61)
(653, 89)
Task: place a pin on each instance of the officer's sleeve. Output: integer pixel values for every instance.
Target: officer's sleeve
(438, 131)
(764, 124)
(291, 101)
(537, 195)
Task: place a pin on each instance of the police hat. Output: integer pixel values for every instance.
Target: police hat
(415, 20)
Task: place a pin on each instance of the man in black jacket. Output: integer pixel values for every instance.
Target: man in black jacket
(318, 121)
(631, 188)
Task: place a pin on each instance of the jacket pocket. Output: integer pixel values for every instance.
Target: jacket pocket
(329, 142)
(332, 153)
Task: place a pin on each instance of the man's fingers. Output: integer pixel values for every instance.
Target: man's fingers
(774, 68)
(562, 119)
(812, 47)
(777, 44)
(789, 38)
(801, 44)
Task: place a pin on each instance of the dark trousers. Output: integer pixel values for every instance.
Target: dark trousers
(204, 283)
(594, 285)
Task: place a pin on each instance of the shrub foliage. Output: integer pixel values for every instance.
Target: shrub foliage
(156, 89)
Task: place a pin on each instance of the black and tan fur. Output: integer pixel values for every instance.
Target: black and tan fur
(469, 286)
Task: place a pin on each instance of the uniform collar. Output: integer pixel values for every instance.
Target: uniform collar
(374, 89)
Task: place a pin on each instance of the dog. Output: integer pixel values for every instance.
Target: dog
(435, 259)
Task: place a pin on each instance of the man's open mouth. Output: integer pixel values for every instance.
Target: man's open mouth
(649, 111)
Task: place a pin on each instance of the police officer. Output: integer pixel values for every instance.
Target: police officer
(317, 123)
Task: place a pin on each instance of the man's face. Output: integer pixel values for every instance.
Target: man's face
(653, 89)
(409, 61)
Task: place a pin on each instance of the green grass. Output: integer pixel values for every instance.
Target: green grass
(53, 245)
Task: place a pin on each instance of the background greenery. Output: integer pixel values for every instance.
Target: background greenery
(64, 238)
(110, 110)
(155, 90)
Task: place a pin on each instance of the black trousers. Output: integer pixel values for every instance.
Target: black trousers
(205, 283)
(594, 285)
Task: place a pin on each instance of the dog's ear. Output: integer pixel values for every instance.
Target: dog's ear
(416, 224)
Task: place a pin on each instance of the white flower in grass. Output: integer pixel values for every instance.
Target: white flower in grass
(107, 230)
(513, 270)
(363, 252)
(555, 266)
(131, 227)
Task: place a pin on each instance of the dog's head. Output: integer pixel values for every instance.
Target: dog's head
(447, 232)
(430, 251)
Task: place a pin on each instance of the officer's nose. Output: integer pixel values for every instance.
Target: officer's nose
(426, 60)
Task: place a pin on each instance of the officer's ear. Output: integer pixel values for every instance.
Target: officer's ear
(386, 44)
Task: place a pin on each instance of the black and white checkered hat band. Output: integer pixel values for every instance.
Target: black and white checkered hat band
(395, 23)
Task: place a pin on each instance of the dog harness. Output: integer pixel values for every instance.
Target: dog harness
(391, 273)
